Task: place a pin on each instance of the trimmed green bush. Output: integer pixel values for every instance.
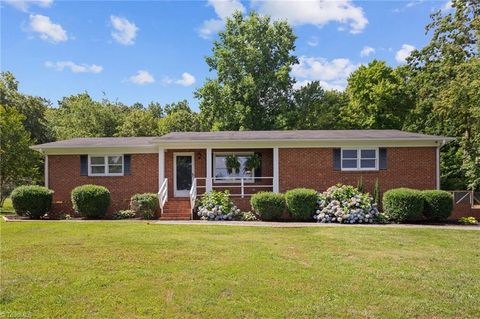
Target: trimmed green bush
(438, 205)
(145, 204)
(403, 204)
(32, 200)
(91, 201)
(301, 203)
(268, 205)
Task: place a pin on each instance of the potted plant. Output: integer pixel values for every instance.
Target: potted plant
(252, 162)
(232, 163)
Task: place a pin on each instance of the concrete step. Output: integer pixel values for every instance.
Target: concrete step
(175, 218)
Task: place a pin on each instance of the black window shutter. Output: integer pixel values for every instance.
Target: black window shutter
(382, 156)
(127, 164)
(258, 171)
(83, 165)
(337, 159)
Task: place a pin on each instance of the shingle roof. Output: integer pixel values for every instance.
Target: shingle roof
(298, 135)
(306, 135)
(99, 142)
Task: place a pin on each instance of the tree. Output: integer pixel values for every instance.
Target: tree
(315, 109)
(177, 106)
(179, 121)
(138, 122)
(17, 160)
(81, 116)
(32, 108)
(444, 77)
(377, 98)
(156, 109)
(252, 61)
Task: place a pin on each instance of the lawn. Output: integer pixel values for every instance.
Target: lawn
(126, 270)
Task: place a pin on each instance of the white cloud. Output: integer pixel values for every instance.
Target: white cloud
(186, 80)
(315, 12)
(48, 30)
(125, 31)
(25, 4)
(75, 68)
(142, 77)
(332, 74)
(366, 51)
(223, 9)
(313, 42)
(404, 53)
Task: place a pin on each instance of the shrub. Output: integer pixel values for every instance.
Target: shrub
(346, 204)
(32, 200)
(468, 221)
(301, 203)
(145, 204)
(124, 214)
(403, 204)
(248, 217)
(268, 205)
(438, 205)
(216, 205)
(91, 201)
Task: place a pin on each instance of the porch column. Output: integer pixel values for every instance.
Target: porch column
(208, 181)
(161, 166)
(276, 186)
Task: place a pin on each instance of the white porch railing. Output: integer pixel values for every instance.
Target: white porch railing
(193, 195)
(163, 194)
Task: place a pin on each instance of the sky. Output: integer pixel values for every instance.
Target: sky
(142, 51)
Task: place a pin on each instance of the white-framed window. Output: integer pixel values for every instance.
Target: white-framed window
(105, 165)
(221, 172)
(359, 159)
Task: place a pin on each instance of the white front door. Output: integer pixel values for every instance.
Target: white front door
(183, 173)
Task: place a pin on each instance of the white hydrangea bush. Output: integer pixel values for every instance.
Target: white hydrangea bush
(216, 205)
(345, 204)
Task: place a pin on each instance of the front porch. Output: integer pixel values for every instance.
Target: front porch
(185, 174)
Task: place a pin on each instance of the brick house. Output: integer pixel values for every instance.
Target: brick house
(181, 166)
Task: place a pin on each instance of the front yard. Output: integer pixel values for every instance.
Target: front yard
(133, 269)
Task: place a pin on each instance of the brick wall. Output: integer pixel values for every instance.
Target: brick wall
(64, 175)
(413, 167)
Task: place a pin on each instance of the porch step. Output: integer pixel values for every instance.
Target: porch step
(176, 209)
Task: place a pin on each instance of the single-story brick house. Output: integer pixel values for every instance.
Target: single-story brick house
(181, 166)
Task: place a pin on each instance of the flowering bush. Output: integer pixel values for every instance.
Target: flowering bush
(216, 205)
(468, 221)
(345, 204)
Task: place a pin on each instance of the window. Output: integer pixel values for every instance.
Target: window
(105, 165)
(221, 172)
(359, 159)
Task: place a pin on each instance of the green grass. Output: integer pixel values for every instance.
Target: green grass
(126, 270)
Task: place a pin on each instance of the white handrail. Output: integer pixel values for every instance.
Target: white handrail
(243, 183)
(163, 194)
(193, 195)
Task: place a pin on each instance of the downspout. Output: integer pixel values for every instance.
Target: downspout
(438, 163)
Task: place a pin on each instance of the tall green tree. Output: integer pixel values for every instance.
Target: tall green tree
(179, 121)
(138, 122)
(80, 116)
(377, 98)
(18, 163)
(32, 108)
(444, 77)
(252, 61)
(314, 108)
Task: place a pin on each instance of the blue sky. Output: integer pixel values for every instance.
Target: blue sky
(154, 50)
